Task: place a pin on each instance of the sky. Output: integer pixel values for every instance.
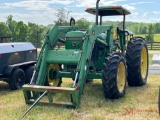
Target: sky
(43, 12)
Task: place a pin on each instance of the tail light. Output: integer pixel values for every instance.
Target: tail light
(32, 51)
(17, 53)
(1, 55)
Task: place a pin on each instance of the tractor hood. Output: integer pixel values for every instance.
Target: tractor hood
(75, 34)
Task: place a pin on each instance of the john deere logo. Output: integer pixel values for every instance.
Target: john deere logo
(66, 54)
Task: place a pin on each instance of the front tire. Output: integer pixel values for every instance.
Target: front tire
(114, 76)
(137, 62)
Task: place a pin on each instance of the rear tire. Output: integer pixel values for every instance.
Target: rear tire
(137, 62)
(29, 73)
(17, 80)
(114, 76)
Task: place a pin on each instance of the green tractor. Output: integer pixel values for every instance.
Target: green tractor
(88, 55)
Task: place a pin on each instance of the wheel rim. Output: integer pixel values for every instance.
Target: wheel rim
(121, 77)
(19, 80)
(144, 62)
(53, 81)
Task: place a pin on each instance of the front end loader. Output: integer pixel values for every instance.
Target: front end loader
(87, 55)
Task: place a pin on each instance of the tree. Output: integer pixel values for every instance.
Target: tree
(157, 28)
(12, 26)
(4, 30)
(135, 29)
(140, 28)
(35, 33)
(18, 30)
(21, 32)
(9, 20)
(150, 36)
(82, 23)
(120, 25)
(144, 30)
(62, 16)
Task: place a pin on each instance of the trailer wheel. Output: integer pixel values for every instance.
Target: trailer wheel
(29, 73)
(114, 76)
(52, 72)
(137, 62)
(17, 80)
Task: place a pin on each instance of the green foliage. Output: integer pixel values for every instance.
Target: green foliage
(21, 32)
(12, 26)
(62, 17)
(135, 27)
(150, 36)
(156, 27)
(83, 23)
(35, 33)
(4, 30)
(156, 37)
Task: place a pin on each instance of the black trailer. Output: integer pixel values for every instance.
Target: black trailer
(17, 63)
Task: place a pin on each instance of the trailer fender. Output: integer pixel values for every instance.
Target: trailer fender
(8, 70)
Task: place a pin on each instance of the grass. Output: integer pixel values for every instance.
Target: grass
(156, 37)
(150, 58)
(155, 48)
(139, 103)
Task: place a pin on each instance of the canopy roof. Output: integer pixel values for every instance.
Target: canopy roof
(108, 11)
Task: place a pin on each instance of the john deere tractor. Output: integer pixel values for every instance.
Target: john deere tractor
(88, 55)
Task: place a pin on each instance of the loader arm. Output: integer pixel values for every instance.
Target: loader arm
(89, 42)
(49, 44)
